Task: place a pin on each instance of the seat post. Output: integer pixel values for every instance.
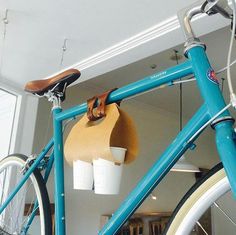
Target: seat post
(56, 102)
(54, 98)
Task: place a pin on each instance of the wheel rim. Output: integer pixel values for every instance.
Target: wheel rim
(212, 195)
(199, 208)
(12, 219)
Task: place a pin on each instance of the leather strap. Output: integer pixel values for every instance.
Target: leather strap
(100, 101)
(91, 103)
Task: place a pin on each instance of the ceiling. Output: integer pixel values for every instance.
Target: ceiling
(99, 36)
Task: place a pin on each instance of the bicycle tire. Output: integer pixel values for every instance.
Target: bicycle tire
(197, 201)
(39, 191)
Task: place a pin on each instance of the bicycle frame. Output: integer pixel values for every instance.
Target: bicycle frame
(197, 64)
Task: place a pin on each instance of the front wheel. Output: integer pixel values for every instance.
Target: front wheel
(16, 218)
(211, 195)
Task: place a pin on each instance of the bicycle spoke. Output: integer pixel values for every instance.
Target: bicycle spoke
(3, 184)
(30, 212)
(16, 216)
(29, 209)
(8, 219)
(3, 232)
(22, 198)
(202, 228)
(10, 225)
(3, 229)
(227, 216)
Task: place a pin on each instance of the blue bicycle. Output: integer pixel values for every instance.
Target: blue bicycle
(23, 179)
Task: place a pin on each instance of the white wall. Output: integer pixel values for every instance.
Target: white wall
(156, 128)
(26, 125)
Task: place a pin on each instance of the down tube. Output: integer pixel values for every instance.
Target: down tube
(146, 185)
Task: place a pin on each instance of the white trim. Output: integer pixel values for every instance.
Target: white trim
(10, 88)
(145, 36)
(156, 33)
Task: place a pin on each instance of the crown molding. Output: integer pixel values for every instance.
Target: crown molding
(170, 27)
(143, 37)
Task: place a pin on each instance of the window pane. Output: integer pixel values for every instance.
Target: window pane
(7, 114)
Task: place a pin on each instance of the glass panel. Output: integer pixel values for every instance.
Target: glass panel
(7, 115)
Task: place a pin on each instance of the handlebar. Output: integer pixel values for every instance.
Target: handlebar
(209, 7)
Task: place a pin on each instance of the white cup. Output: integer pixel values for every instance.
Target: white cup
(118, 153)
(107, 174)
(82, 175)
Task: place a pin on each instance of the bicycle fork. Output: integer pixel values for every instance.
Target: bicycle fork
(226, 145)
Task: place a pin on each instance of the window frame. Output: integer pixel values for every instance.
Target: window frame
(25, 119)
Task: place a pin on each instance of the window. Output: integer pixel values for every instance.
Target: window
(8, 103)
(9, 115)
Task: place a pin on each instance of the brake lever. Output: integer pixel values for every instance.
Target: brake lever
(212, 7)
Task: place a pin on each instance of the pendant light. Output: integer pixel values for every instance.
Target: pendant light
(182, 165)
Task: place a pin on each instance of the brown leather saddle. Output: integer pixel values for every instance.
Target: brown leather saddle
(57, 83)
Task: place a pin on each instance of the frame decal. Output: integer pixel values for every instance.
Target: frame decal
(211, 75)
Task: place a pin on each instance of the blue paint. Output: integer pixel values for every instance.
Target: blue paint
(213, 102)
(27, 175)
(156, 173)
(59, 194)
(46, 175)
(226, 147)
(148, 83)
(30, 219)
(210, 91)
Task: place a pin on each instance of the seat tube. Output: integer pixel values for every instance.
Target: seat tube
(59, 194)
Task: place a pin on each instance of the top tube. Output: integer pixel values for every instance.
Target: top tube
(197, 64)
(148, 83)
